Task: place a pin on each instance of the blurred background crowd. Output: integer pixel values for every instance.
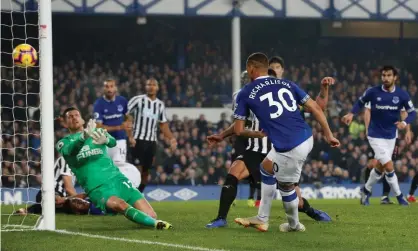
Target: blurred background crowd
(194, 70)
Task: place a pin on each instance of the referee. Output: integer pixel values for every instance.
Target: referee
(148, 112)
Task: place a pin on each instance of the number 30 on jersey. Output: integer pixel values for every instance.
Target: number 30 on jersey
(282, 104)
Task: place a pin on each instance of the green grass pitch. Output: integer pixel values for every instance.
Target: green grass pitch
(377, 227)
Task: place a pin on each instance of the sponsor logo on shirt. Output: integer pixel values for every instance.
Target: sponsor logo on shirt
(113, 116)
(86, 152)
(386, 107)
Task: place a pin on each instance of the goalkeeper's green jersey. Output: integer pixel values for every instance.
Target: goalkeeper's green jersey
(90, 163)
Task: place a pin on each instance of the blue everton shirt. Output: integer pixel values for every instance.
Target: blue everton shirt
(275, 103)
(385, 110)
(112, 113)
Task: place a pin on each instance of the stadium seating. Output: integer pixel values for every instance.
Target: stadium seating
(79, 83)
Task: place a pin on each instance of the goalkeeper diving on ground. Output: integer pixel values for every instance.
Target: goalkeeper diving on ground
(85, 151)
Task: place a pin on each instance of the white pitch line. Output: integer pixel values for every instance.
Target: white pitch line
(137, 241)
(17, 230)
(18, 226)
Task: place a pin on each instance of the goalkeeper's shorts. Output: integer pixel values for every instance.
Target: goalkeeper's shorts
(120, 187)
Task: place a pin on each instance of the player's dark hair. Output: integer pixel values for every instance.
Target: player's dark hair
(389, 68)
(276, 60)
(272, 73)
(258, 60)
(69, 109)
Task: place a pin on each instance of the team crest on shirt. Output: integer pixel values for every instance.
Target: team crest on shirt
(395, 100)
(105, 110)
(379, 99)
(60, 145)
(120, 108)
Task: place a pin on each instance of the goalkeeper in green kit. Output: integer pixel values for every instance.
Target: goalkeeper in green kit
(85, 151)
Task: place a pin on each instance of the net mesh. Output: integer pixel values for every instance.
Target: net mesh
(20, 115)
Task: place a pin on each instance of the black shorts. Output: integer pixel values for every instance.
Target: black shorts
(240, 147)
(143, 154)
(252, 161)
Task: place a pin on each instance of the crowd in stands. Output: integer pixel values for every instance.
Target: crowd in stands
(201, 77)
(194, 163)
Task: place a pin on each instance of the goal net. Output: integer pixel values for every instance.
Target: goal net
(26, 136)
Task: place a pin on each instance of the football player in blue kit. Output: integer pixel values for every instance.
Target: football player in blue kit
(111, 113)
(275, 103)
(386, 102)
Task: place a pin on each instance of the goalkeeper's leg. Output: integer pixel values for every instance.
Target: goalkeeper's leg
(118, 205)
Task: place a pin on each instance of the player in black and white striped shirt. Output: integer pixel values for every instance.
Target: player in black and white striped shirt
(64, 182)
(64, 188)
(149, 114)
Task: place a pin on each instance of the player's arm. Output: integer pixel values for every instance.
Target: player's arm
(319, 116)
(129, 120)
(68, 185)
(358, 106)
(71, 147)
(109, 128)
(306, 101)
(67, 177)
(230, 130)
(322, 98)
(241, 112)
(165, 129)
(239, 129)
(411, 115)
(366, 116)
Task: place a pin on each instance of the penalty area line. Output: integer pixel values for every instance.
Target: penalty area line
(156, 243)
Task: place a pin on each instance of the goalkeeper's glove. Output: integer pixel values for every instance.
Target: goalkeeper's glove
(100, 137)
(88, 131)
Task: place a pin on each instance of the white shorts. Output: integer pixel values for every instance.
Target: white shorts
(383, 149)
(287, 166)
(131, 172)
(118, 153)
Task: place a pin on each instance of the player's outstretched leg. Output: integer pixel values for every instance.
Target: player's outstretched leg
(392, 180)
(414, 185)
(268, 191)
(118, 205)
(290, 203)
(385, 194)
(375, 176)
(306, 208)
(237, 172)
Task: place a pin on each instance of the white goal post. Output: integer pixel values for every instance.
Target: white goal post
(47, 115)
(23, 23)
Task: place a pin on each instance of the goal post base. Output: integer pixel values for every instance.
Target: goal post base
(40, 223)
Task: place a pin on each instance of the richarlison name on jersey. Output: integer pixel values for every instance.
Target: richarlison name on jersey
(85, 152)
(268, 82)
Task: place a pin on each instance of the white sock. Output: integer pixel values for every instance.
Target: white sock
(374, 177)
(268, 190)
(392, 179)
(290, 204)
